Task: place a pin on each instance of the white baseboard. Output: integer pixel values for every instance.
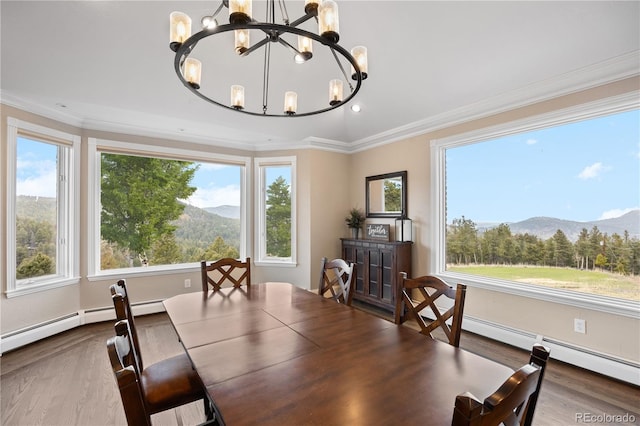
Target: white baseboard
(24, 336)
(31, 334)
(108, 314)
(621, 369)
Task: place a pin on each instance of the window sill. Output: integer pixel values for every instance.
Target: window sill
(278, 263)
(39, 287)
(599, 303)
(145, 272)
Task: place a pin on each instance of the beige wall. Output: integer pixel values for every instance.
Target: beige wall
(328, 185)
(330, 203)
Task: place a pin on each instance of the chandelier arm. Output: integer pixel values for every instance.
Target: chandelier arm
(285, 43)
(256, 46)
(302, 19)
(344, 73)
(218, 10)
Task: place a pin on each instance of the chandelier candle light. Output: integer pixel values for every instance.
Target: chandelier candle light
(288, 35)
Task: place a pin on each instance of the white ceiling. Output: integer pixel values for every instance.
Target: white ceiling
(106, 65)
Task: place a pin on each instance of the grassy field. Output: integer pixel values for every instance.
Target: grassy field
(595, 282)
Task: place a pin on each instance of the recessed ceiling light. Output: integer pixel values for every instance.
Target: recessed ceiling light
(355, 108)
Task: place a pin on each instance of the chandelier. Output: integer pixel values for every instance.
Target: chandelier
(293, 50)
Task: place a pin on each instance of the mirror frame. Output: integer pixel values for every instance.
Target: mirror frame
(403, 194)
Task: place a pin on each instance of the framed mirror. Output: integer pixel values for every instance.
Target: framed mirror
(386, 195)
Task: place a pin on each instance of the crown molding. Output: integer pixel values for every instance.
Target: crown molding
(605, 72)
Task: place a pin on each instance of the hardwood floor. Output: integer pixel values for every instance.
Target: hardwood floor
(67, 380)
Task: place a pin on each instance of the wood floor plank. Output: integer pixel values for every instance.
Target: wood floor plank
(66, 380)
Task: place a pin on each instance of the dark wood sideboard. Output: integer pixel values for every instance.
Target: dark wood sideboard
(378, 264)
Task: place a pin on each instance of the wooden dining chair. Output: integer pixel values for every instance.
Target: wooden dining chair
(431, 288)
(161, 386)
(224, 271)
(172, 368)
(337, 277)
(513, 404)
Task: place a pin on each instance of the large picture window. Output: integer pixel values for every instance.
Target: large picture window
(548, 207)
(275, 239)
(42, 225)
(168, 208)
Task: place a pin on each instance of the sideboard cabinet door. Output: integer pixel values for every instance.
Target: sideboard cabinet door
(378, 264)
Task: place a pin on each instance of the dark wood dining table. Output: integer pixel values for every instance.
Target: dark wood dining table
(276, 354)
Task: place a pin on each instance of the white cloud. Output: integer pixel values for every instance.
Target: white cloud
(36, 178)
(591, 171)
(212, 197)
(611, 214)
(532, 141)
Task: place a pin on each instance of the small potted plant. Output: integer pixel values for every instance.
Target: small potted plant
(355, 220)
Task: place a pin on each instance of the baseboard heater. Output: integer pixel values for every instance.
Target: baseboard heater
(618, 368)
(33, 333)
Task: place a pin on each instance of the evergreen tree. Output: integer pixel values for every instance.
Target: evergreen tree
(601, 261)
(563, 249)
(278, 221)
(219, 250)
(461, 241)
(596, 243)
(165, 251)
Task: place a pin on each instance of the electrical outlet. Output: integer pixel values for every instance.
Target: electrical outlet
(579, 326)
(187, 283)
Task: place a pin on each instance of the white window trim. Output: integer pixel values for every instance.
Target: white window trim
(261, 194)
(68, 222)
(617, 104)
(97, 146)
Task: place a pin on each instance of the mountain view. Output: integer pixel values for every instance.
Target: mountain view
(231, 212)
(202, 226)
(546, 227)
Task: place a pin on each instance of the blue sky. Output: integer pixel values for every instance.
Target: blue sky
(36, 169)
(218, 185)
(582, 171)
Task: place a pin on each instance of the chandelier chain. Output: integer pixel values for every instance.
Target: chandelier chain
(283, 11)
(344, 73)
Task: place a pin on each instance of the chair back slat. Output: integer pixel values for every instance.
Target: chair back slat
(223, 271)
(430, 289)
(122, 305)
(337, 278)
